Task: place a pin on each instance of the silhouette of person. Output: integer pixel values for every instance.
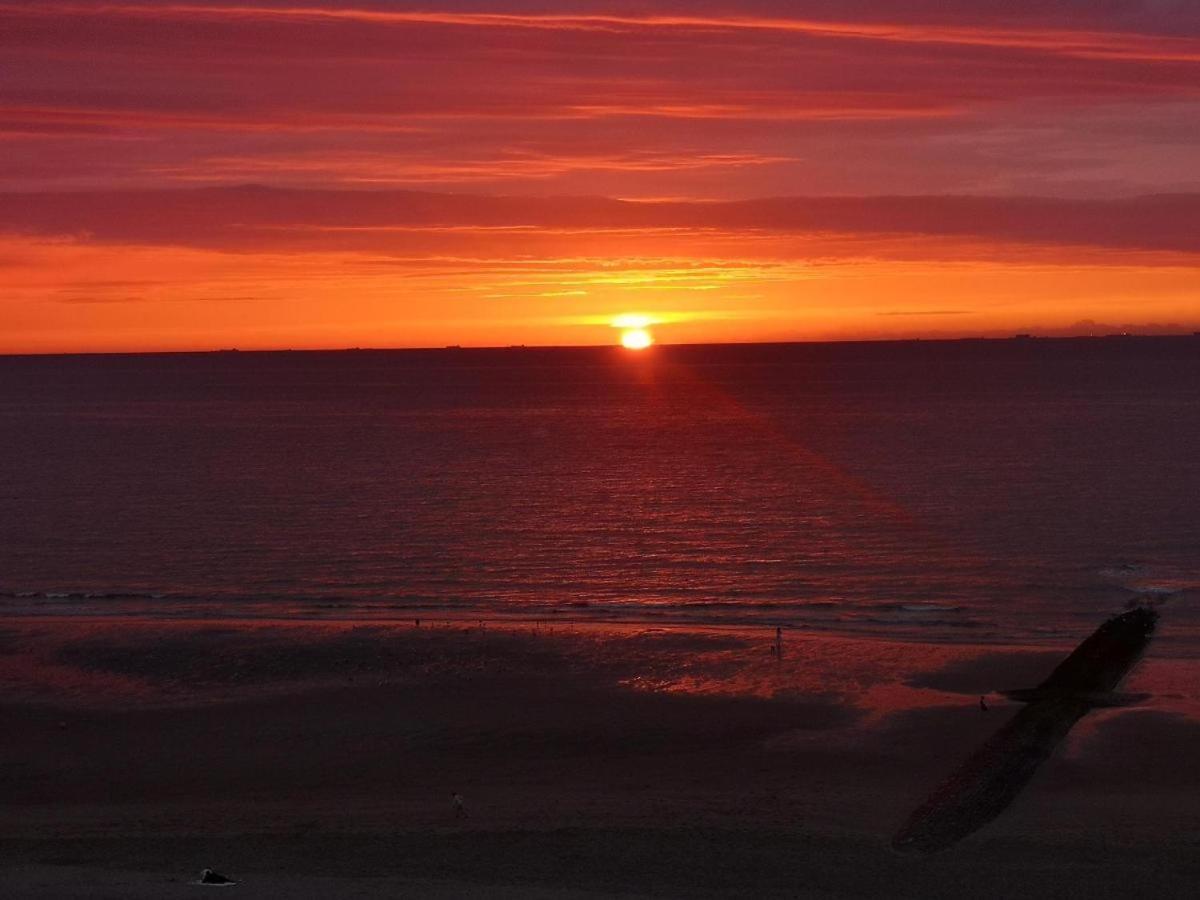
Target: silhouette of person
(460, 809)
(983, 707)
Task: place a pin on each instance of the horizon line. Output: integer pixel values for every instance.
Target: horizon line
(1018, 337)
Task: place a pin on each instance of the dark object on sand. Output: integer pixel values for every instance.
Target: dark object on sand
(208, 876)
(995, 774)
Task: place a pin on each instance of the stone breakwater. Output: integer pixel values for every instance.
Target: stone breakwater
(991, 778)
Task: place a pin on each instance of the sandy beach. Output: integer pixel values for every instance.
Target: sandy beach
(319, 759)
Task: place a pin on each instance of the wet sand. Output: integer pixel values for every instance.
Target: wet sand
(319, 759)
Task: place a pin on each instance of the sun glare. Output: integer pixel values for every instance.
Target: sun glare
(636, 339)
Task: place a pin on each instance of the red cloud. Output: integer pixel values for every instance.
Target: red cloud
(235, 218)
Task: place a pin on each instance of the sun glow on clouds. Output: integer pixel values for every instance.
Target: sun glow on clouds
(77, 295)
(632, 321)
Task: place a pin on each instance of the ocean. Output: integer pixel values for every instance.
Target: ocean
(973, 491)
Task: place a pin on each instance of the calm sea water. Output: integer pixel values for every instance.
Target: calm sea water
(975, 491)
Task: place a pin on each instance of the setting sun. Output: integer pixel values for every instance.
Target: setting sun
(636, 339)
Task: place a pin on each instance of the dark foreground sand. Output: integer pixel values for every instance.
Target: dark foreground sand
(318, 760)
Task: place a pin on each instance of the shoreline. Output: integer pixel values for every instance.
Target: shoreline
(310, 757)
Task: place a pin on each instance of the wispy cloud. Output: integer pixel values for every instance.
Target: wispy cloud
(925, 312)
(583, 100)
(1086, 44)
(253, 217)
(383, 169)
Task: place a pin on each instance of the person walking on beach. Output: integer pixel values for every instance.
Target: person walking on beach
(983, 707)
(460, 809)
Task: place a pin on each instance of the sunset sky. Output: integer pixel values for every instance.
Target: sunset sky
(387, 174)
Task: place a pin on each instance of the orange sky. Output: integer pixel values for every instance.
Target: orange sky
(317, 174)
